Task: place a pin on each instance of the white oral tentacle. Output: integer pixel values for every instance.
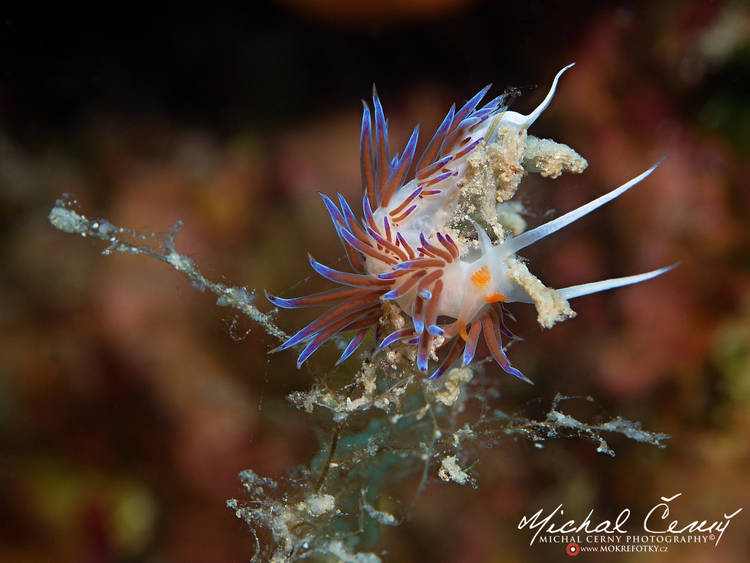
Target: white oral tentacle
(530, 237)
(588, 288)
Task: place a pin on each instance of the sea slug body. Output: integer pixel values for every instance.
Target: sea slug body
(401, 250)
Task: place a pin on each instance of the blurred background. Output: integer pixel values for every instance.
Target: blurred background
(129, 401)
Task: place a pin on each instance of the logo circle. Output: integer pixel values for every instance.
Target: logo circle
(572, 549)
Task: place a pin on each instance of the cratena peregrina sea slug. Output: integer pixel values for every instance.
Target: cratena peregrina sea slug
(418, 246)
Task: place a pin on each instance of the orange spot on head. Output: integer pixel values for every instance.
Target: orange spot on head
(481, 277)
(495, 298)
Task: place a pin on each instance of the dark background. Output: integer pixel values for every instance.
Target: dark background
(128, 401)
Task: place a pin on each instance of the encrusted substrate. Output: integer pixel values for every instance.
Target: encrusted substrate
(449, 390)
(551, 307)
(510, 216)
(451, 471)
(492, 176)
(317, 504)
(494, 172)
(550, 159)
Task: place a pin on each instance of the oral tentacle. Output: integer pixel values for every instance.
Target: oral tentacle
(515, 244)
(594, 287)
(485, 244)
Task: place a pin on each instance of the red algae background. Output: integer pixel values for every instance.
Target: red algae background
(129, 401)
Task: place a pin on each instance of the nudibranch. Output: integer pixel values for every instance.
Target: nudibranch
(401, 251)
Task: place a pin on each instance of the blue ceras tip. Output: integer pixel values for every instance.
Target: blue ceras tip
(435, 330)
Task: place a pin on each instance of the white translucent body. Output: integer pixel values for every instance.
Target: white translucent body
(461, 298)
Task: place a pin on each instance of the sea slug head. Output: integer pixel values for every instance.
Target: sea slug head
(471, 285)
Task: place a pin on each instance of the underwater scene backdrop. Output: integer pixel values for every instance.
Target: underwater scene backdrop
(130, 401)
